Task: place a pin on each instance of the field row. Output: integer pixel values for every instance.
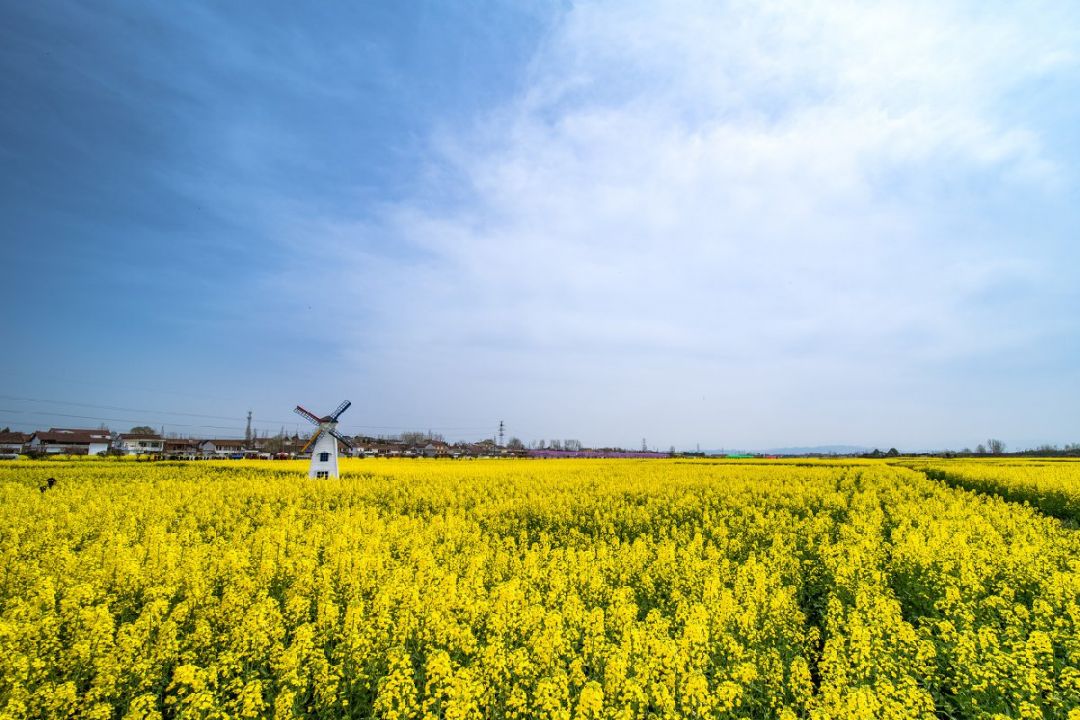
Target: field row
(1051, 486)
(520, 589)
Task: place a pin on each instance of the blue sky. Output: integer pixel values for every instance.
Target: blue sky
(739, 225)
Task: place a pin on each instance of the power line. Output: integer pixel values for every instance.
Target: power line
(234, 429)
(418, 426)
(124, 409)
(110, 419)
(236, 432)
(159, 413)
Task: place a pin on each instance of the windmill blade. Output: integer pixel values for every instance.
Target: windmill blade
(305, 413)
(340, 409)
(340, 437)
(311, 441)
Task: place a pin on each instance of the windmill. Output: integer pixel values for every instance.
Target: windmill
(325, 441)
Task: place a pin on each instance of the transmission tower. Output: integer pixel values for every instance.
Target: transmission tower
(644, 446)
(247, 432)
(502, 429)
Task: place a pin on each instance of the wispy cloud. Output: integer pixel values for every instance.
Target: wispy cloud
(743, 223)
(742, 201)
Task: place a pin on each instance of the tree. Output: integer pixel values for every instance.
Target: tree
(996, 447)
(572, 444)
(556, 444)
(142, 430)
(515, 444)
(417, 437)
(980, 449)
(893, 452)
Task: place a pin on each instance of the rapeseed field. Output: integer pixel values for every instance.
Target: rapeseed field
(567, 589)
(1051, 485)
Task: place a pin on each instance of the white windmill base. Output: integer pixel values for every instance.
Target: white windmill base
(324, 455)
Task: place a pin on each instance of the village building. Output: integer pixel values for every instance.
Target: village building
(372, 447)
(436, 448)
(294, 445)
(222, 448)
(69, 441)
(139, 443)
(182, 448)
(13, 444)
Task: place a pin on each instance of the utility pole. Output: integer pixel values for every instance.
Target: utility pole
(502, 429)
(247, 433)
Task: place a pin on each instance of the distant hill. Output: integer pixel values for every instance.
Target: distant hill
(815, 450)
(820, 450)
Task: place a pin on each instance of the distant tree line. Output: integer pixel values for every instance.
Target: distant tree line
(993, 446)
(570, 444)
(997, 447)
(876, 453)
(1052, 450)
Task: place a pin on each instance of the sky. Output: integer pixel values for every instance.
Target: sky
(717, 224)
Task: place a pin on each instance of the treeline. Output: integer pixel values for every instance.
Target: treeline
(1069, 449)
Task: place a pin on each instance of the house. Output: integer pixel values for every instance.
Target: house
(182, 448)
(222, 448)
(483, 448)
(436, 448)
(12, 444)
(265, 443)
(69, 441)
(139, 443)
(294, 445)
(371, 447)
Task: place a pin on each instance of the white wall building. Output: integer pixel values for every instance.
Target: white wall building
(13, 444)
(70, 441)
(139, 443)
(222, 448)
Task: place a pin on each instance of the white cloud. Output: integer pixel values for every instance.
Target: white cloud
(742, 200)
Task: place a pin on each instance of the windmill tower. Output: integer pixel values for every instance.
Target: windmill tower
(325, 441)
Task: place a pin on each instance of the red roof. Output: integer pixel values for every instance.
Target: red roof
(72, 436)
(181, 442)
